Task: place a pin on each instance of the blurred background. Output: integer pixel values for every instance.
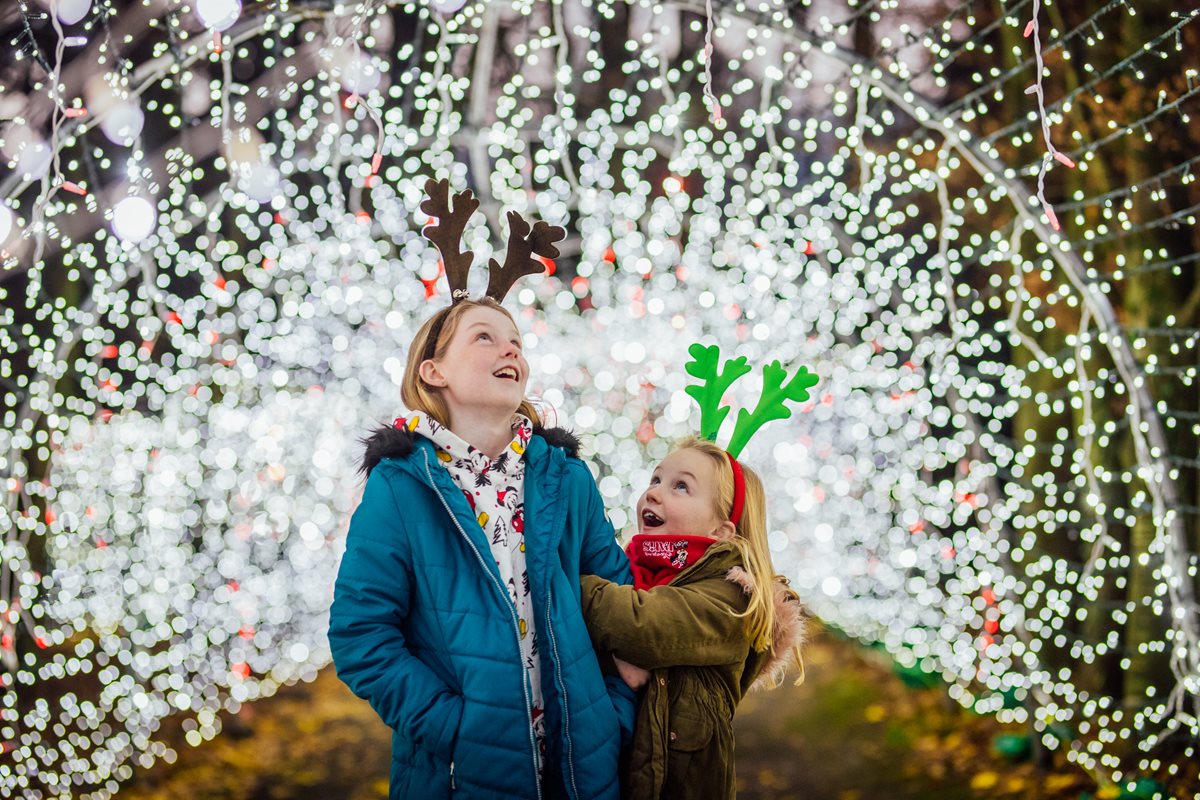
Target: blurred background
(974, 220)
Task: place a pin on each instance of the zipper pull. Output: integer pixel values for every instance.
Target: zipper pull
(452, 786)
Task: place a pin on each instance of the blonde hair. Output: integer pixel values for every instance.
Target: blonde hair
(751, 543)
(420, 396)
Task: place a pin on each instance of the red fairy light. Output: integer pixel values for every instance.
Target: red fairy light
(50, 516)
(991, 625)
(172, 318)
(269, 263)
(246, 632)
(241, 669)
(74, 188)
(233, 585)
(219, 282)
(986, 641)
(40, 642)
(1064, 159)
(819, 494)
(430, 288)
(363, 217)
(217, 48)
(610, 255)
(579, 284)
(6, 642)
(1028, 29)
(917, 526)
(645, 432)
(213, 337)
(72, 113)
(110, 351)
(101, 544)
(1052, 218)
(948, 552)
(107, 385)
(352, 101)
(809, 249)
(106, 414)
(551, 267)
(376, 161)
(988, 595)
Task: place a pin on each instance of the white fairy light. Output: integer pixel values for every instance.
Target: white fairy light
(218, 15)
(70, 12)
(122, 122)
(133, 218)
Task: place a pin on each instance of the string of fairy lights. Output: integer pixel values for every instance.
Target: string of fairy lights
(212, 264)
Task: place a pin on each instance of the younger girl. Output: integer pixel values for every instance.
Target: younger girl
(707, 616)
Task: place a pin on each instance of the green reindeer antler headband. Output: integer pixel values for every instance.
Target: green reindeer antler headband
(716, 379)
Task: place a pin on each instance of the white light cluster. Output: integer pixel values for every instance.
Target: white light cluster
(181, 420)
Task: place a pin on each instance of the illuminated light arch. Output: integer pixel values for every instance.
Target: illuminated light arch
(632, 384)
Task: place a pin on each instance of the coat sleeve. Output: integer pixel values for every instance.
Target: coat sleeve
(667, 626)
(370, 600)
(601, 555)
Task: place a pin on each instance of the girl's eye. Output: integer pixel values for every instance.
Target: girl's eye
(681, 484)
(487, 336)
(654, 481)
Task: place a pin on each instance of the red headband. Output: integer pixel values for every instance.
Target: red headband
(739, 491)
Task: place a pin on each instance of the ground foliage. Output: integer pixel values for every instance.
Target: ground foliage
(856, 729)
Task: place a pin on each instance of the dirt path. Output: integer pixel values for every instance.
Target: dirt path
(852, 731)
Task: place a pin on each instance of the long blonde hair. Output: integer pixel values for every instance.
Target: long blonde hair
(420, 396)
(750, 541)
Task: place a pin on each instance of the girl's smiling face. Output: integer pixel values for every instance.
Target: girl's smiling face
(682, 499)
(484, 369)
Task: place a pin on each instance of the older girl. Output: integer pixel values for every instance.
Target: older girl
(456, 609)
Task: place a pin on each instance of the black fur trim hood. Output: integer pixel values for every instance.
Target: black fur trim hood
(388, 441)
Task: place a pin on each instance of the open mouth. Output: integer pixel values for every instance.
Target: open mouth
(508, 373)
(651, 520)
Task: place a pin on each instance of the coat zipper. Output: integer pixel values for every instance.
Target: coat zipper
(513, 615)
(562, 688)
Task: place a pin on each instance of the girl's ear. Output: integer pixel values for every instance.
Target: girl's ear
(430, 374)
(724, 532)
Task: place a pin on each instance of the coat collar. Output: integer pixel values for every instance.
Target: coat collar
(388, 441)
(545, 476)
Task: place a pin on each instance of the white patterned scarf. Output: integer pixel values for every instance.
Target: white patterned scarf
(495, 490)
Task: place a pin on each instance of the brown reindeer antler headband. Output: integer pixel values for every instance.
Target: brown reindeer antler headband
(523, 244)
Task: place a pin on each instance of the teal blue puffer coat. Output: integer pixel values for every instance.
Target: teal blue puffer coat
(422, 628)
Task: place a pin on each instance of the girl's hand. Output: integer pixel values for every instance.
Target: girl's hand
(635, 677)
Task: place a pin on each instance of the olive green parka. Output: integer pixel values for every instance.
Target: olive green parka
(688, 634)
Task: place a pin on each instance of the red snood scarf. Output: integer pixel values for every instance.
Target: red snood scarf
(657, 558)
